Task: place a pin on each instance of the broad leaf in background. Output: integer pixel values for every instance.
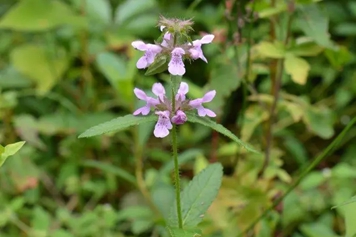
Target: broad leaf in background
(350, 218)
(315, 24)
(39, 15)
(320, 121)
(223, 90)
(117, 125)
(116, 70)
(198, 196)
(99, 10)
(338, 57)
(9, 150)
(40, 64)
(297, 67)
(219, 128)
(271, 50)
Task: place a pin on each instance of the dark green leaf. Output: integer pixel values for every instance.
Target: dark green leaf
(117, 125)
(315, 24)
(198, 196)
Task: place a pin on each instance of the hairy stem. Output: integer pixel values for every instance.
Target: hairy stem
(304, 173)
(175, 155)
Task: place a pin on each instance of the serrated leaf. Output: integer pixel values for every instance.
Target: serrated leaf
(9, 150)
(39, 15)
(117, 125)
(315, 24)
(219, 128)
(198, 196)
(271, 50)
(297, 67)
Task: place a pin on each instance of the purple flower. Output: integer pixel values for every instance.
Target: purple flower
(150, 102)
(179, 118)
(196, 52)
(166, 39)
(197, 104)
(163, 124)
(176, 65)
(159, 90)
(182, 91)
(150, 50)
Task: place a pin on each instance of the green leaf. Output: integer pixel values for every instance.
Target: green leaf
(320, 122)
(219, 73)
(159, 65)
(9, 150)
(350, 219)
(271, 50)
(115, 69)
(40, 15)
(219, 128)
(307, 49)
(338, 57)
(297, 67)
(176, 232)
(315, 25)
(130, 10)
(40, 65)
(109, 168)
(99, 10)
(117, 125)
(352, 200)
(198, 196)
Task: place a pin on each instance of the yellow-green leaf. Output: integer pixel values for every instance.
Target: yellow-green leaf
(39, 15)
(9, 150)
(298, 68)
(271, 50)
(39, 64)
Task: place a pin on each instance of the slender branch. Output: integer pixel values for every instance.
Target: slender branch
(310, 167)
(276, 76)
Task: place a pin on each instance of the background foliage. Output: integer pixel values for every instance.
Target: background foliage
(285, 80)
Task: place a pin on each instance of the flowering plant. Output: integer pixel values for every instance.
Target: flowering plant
(170, 52)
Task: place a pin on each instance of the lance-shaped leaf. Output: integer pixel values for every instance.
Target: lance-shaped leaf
(198, 196)
(117, 124)
(219, 128)
(9, 150)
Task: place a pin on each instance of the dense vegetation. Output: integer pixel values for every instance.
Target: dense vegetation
(284, 75)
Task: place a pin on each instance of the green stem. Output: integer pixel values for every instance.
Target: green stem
(310, 167)
(176, 175)
(175, 81)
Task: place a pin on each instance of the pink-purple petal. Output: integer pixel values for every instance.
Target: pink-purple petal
(142, 63)
(139, 45)
(158, 90)
(209, 96)
(140, 94)
(163, 124)
(207, 39)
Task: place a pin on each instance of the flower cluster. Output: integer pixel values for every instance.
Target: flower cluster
(163, 107)
(176, 46)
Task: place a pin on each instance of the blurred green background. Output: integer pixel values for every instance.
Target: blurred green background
(67, 65)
